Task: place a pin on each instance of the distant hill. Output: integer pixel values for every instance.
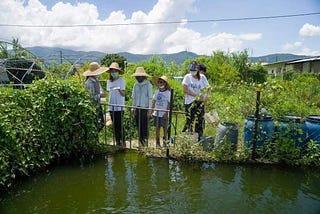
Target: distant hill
(49, 55)
(272, 58)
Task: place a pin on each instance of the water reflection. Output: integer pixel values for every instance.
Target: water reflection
(131, 183)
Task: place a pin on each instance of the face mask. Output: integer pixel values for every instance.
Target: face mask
(162, 87)
(140, 79)
(115, 75)
(193, 73)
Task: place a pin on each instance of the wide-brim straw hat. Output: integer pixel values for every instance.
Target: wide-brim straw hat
(115, 66)
(94, 70)
(164, 78)
(140, 72)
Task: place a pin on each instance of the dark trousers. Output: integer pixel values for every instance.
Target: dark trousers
(142, 122)
(100, 117)
(194, 113)
(118, 129)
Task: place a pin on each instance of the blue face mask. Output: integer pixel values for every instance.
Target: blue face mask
(115, 75)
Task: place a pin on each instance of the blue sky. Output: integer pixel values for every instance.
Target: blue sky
(105, 25)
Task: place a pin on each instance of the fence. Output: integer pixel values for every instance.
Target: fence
(129, 126)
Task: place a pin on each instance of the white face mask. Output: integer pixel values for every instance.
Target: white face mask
(162, 86)
(193, 73)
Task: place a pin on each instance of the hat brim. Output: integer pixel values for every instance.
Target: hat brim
(120, 71)
(155, 81)
(99, 71)
(140, 75)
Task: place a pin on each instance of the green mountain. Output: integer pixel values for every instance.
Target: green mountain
(272, 58)
(49, 55)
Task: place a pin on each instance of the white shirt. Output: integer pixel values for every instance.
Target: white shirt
(162, 100)
(194, 85)
(115, 97)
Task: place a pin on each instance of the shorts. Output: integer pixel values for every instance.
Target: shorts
(159, 121)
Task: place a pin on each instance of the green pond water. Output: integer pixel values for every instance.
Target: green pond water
(131, 183)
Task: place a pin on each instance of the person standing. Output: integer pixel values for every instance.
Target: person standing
(116, 89)
(142, 99)
(202, 69)
(95, 91)
(193, 85)
(161, 101)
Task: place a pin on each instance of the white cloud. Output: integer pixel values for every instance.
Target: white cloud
(300, 49)
(309, 52)
(309, 30)
(291, 46)
(251, 36)
(151, 38)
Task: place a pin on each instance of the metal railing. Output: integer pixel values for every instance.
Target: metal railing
(129, 125)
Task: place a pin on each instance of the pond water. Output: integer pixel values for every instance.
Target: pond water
(131, 183)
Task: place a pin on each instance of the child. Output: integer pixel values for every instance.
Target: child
(161, 101)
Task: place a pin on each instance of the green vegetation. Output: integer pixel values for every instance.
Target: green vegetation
(47, 122)
(51, 119)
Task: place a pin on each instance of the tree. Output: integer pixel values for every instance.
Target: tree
(257, 73)
(109, 58)
(220, 69)
(17, 50)
(240, 61)
(4, 53)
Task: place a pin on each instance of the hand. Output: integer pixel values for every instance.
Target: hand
(165, 116)
(133, 111)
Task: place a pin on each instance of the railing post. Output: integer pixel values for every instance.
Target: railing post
(256, 123)
(170, 121)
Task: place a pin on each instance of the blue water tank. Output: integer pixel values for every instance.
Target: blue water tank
(265, 130)
(313, 128)
(295, 127)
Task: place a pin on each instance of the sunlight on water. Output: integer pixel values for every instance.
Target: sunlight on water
(131, 183)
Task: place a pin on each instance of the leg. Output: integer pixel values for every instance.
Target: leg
(116, 117)
(188, 124)
(141, 120)
(144, 125)
(199, 120)
(164, 135)
(100, 118)
(158, 136)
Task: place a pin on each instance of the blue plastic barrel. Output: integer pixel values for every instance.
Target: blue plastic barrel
(265, 130)
(313, 128)
(293, 126)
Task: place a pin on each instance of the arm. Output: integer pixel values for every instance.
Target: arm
(187, 91)
(165, 116)
(151, 111)
(122, 92)
(150, 95)
(122, 89)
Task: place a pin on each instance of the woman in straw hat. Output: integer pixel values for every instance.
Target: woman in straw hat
(116, 88)
(142, 99)
(94, 89)
(161, 100)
